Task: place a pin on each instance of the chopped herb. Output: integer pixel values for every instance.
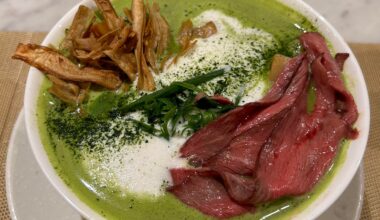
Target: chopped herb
(174, 88)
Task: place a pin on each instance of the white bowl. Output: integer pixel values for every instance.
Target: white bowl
(338, 184)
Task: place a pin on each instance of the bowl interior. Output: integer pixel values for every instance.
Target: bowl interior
(326, 198)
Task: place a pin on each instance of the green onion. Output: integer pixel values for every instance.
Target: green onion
(175, 87)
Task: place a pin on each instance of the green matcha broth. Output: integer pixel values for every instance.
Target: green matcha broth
(110, 201)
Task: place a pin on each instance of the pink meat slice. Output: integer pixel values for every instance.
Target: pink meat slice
(272, 148)
(296, 159)
(217, 135)
(240, 156)
(340, 59)
(202, 191)
(217, 98)
(316, 46)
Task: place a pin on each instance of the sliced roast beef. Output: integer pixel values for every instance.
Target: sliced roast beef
(237, 157)
(272, 148)
(278, 109)
(239, 187)
(240, 156)
(316, 46)
(303, 146)
(218, 99)
(205, 193)
(217, 135)
(340, 59)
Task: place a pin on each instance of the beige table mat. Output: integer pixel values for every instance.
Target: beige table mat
(12, 82)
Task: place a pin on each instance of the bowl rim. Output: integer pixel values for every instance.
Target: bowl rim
(30, 100)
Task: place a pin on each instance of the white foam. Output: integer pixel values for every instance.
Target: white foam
(138, 169)
(233, 45)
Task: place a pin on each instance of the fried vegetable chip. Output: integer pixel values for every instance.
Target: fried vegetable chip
(51, 62)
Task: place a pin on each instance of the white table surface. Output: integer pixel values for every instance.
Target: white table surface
(356, 20)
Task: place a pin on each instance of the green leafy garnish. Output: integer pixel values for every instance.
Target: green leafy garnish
(174, 88)
(175, 110)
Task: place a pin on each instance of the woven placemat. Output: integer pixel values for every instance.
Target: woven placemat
(12, 82)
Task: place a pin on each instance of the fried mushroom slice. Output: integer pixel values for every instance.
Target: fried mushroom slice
(51, 62)
(80, 25)
(112, 19)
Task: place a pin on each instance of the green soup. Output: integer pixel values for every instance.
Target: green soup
(65, 135)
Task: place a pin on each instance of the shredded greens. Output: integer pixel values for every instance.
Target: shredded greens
(174, 109)
(174, 88)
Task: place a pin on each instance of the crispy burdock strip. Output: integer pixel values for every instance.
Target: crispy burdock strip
(185, 33)
(108, 37)
(63, 85)
(88, 57)
(99, 29)
(161, 28)
(112, 19)
(131, 43)
(91, 49)
(145, 79)
(67, 91)
(124, 62)
(204, 31)
(81, 23)
(156, 36)
(51, 62)
(165, 60)
(128, 14)
(88, 44)
(83, 92)
(63, 95)
(102, 43)
(138, 16)
(188, 33)
(184, 51)
(96, 49)
(184, 39)
(120, 39)
(150, 42)
(150, 55)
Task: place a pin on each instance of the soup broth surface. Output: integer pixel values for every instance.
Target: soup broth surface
(121, 171)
